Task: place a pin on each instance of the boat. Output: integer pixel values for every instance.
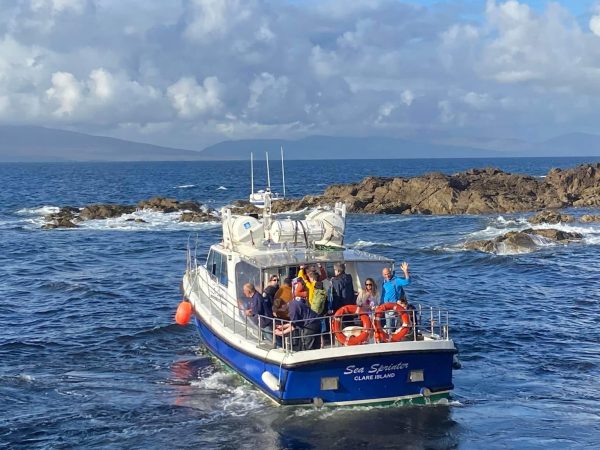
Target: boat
(356, 365)
(258, 198)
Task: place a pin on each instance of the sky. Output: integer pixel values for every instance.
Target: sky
(191, 73)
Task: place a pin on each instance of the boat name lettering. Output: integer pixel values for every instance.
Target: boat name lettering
(375, 369)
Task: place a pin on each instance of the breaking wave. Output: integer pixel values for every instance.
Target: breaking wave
(367, 244)
(140, 220)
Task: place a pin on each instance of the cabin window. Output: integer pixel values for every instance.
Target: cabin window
(246, 273)
(216, 264)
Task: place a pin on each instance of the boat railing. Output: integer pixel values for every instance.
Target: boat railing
(426, 323)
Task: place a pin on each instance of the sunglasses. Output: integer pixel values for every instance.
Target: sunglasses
(274, 279)
(368, 284)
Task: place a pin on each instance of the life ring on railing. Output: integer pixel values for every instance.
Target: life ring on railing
(336, 326)
(380, 334)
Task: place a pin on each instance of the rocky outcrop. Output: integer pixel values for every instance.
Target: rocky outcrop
(590, 218)
(191, 216)
(64, 218)
(550, 217)
(68, 217)
(169, 205)
(521, 241)
(475, 191)
(104, 211)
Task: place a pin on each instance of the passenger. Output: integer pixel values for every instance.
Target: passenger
(368, 299)
(342, 288)
(342, 292)
(272, 288)
(257, 311)
(317, 304)
(285, 291)
(319, 298)
(299, 289)
(392, 290)
(283, 297)
(311, 275)
(306, 321)
(412, 314)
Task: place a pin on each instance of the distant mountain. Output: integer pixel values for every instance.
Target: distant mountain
(328, 147)
(571, 144)
(29, 143)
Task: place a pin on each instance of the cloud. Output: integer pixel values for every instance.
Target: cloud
(66, 91)
(595, 25)
(193, 72)
(191, 100)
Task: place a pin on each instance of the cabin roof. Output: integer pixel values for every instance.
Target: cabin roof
(295, 256)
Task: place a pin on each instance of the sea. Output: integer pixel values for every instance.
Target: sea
(90, 356)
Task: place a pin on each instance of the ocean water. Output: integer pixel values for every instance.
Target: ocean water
(90, 356)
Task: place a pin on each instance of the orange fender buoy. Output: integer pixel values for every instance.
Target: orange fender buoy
(380, 334)
(184, 313)
(336, 326)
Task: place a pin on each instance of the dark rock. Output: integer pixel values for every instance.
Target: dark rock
(192, 216)
(104, 211)
(521, 241)
(590, 218)
(59, 223)
(551, 217)
(475, 191)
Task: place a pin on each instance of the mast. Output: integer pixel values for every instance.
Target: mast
(268, 174)
(282, 171)
(252, 171)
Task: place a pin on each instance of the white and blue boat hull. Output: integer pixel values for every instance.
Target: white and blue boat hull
(370, 378)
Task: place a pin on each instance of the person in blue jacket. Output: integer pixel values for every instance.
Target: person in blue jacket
(392, 290)
(306, 321)
(259, 310)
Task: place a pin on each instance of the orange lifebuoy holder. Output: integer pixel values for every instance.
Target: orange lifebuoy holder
(336, 326)
(383, 336)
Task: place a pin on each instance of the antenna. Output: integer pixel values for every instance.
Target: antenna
(282, 171)
(252, 171)
(268, 174)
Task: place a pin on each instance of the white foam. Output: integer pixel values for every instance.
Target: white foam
(221, 188)
(185, 186)
(365, 244)
(152, 220)
(236, 397)
(39, 211)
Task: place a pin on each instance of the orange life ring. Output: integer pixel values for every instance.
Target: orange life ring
(336, 326)
(380, 334)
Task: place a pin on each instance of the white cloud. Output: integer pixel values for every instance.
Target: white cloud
(595, 25)
(101, 84)
(191, 99)
(199, 70)
(66, 91)
(58, 6)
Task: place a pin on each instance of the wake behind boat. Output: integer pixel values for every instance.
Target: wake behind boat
(360, 360)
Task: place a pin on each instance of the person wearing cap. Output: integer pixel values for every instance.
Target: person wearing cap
(392, 290)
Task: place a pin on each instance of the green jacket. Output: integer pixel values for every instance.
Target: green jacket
(318, 301)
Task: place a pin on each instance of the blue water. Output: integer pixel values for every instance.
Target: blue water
(90, 357)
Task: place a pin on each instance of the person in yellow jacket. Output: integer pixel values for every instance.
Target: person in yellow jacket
(310, 277)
